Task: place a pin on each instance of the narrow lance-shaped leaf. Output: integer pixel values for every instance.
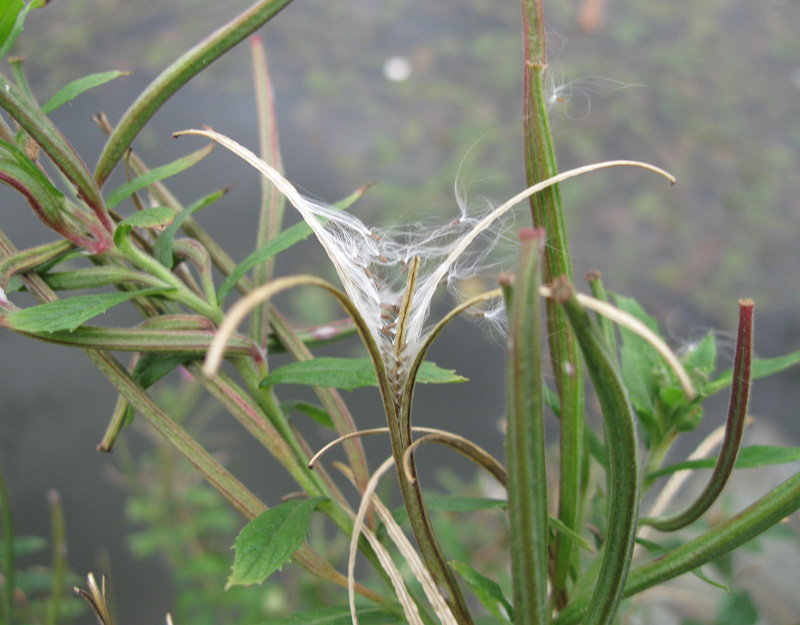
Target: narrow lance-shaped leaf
(79, 86)
(68, 314)
(487, 590)
(272, 200)
(154, 175)
(623, 458)
(525, 445)
(348, 373)
(759, 368)
(287, 238)
(737, 411)
(162, 248)
(749, 457)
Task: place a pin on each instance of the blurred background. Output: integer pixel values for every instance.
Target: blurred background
(414, 96)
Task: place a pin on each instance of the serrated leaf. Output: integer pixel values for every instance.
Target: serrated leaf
(162, 248)
(487, 590)
(749, 457)
(269, 541)
(317, 413)
(68, 314)
(154, 175)
(79, 86)
(348, 374)
(339, 615)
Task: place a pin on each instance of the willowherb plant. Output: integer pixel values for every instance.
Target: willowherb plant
(390, 277)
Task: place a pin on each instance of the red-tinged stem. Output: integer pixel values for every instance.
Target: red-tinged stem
(737, 411)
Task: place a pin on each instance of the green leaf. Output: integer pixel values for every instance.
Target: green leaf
(317, 413)
(25, 546)
(487, 590)
(284, 240)
(562, 528)
(147, 218)
(79, 86)
(68, 314)
(737, 609)
(12, 17)
(759, 368)
(339, 615)
(270, 540)
(348, 373)
(150, 368)
(638, 361)
(749, 458)
(461, 503)
(162, 248)
(159, 173)
(702, 355)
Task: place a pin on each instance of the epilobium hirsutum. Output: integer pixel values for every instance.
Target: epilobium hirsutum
(391, 278)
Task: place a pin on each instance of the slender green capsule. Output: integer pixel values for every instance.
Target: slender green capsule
(623, 458)
(525, 448)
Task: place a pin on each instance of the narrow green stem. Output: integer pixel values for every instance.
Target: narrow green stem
(525, 445)
(397, 392)
(772, 508)
(183, 294)
(42, 130)
(177, 75)
(330, 398)
(547, 213)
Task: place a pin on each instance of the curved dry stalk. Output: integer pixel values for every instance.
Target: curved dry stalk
(402, 543)
(532, 190)
(462, 445)
(341, 439)
(244, 306)
(409, 607)
(369, 432)
(634, 325)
